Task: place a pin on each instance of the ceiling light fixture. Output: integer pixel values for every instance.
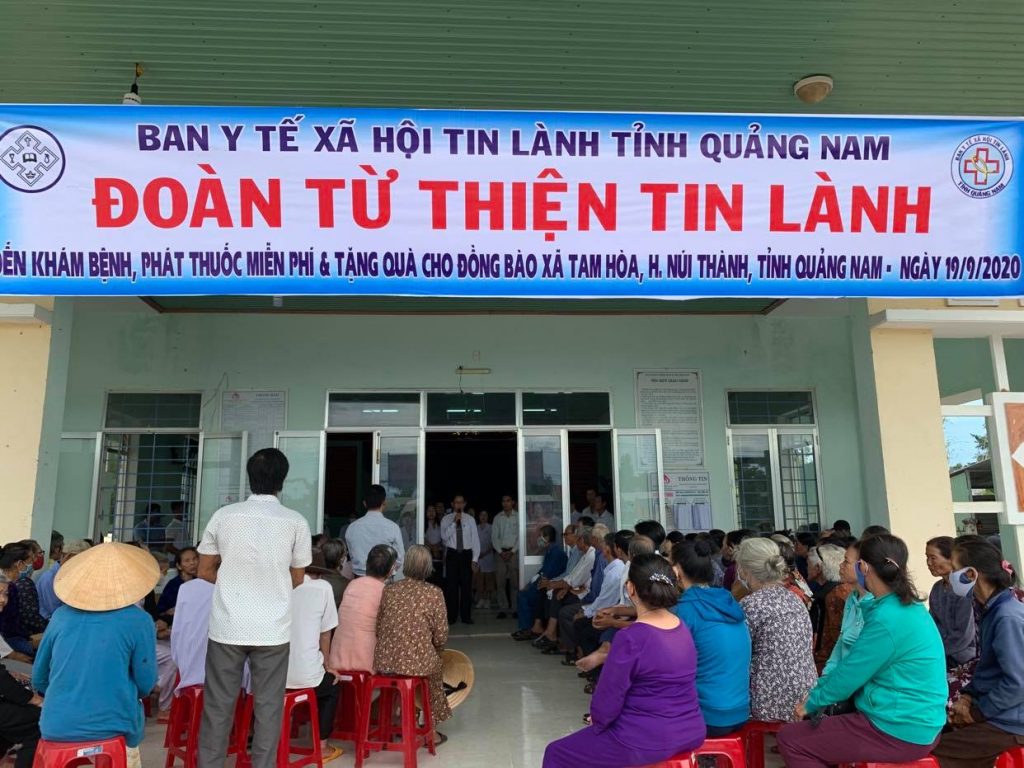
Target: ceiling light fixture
(813, 89)
(132, 98)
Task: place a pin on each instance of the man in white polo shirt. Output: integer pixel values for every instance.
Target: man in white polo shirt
(255, 552)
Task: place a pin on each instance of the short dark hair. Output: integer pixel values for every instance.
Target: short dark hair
(944, 544)
(874, 530)
(887, 556)
(182, 551)
(549, 533)
(841, 525)
(677, 536)
(806, 538)
(653, 530)
(654, 581)
(375, 497)
(987, 560)
(334, 551)
(14, 553)
(622, 539)
(381, 560)
(56, 542)
(586, 520)
(717, 535)
(267, 470)
(694, 560)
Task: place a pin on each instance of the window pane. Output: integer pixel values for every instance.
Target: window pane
(399, 474)
(542, 468)
(566, 408)
(638, 480)
(964, 369)
(770, 408)
(153, 410)
(373, 409)
(967, 451)
(471, 409)
(752, 470)
(301, 490)
(798, 468)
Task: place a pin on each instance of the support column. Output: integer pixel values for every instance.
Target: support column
(919, 502)
(25, 347)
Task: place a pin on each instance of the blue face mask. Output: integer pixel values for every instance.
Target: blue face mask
(860, 575)
(25, 572)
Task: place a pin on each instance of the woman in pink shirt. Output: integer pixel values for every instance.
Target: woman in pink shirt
(355, 640)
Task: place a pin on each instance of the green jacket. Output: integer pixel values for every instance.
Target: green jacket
(895, 672)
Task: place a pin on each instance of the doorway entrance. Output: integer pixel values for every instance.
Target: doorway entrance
(348, 473)
(480, 465)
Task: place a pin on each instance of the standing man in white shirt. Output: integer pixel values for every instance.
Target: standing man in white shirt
(461, 560)
(599, 511)
(372, 529)
(505, 540)
(588, 511)
(314, 616)
(255, 553)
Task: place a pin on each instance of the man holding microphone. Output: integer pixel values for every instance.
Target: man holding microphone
(461, 559)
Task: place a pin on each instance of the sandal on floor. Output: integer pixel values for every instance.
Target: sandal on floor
(333, 754)
(553, 650)
(588, 719)
(566, 662)
(441, 739)
(589, 689)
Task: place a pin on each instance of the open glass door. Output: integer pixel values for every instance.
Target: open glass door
(543, 494)
(304, 487)
(399, 467)
(640, 478)
(221, 475)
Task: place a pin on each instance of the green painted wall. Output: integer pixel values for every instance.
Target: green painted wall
(141, 350)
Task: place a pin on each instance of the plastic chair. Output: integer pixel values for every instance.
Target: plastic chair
(106, 753)
(294, 703)
(182, 737)
(1011, 758)
(412, 737)
(732, 748)
(238, 744)
(753, 734)
(346, 721)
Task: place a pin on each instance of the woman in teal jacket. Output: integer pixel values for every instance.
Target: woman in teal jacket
(895, 674)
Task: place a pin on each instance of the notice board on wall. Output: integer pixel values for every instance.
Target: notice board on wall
(259, 412)
(670, 400)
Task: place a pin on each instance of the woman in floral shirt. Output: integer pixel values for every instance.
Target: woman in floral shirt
(782, 664)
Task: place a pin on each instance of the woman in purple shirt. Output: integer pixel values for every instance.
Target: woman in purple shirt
(645, 709)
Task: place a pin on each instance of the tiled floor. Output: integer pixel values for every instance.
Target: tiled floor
(521, 700)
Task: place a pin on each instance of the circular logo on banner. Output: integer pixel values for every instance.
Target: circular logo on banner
(31, 159)
(982, 166)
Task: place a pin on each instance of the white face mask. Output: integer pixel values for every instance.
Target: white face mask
(960, 584)
(541, 542)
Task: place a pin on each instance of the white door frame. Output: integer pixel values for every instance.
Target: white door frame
(656, 432)
(419, 435)
(322, 437)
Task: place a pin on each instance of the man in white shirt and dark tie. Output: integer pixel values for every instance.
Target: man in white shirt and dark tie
(461, 557)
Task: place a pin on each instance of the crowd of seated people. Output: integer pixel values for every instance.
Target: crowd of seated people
(823, 633)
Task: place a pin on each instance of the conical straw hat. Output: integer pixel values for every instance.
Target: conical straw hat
(107, 577)
(456, 668)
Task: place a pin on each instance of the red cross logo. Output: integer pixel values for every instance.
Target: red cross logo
(981, 166)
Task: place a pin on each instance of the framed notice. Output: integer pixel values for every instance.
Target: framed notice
(1006, 431)
(261, 413)
(688, 501)
(671, 401)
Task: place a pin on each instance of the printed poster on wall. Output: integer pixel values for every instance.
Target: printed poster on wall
(261, 413)
(688, 501)
(190, 200)
(670, 400)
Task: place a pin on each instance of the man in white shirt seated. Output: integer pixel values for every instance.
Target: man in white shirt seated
(372, 529)
(461, 540)
(575, 623)
(566, 591)
(314, 617)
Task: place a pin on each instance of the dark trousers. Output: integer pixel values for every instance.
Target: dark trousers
(268, 666)
(458, 584)
(19, 724)
(843, 739)
(326, 704)
(589, 639)
(567, 621)
(553, 605)
(974, 746)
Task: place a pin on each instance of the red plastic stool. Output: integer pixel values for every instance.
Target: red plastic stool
(732, 748)
(294, 703)
(346, 721)
(753, 734)
(182, 737)
(412, 735)
(109, 753)
(238, 744)
(924, 762)
(1011, 758)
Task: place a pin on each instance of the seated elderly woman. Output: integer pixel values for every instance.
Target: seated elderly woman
(829, 600)
(98, 656)
(354, 643)
(19, 706)
(21, 623)
(412, 629)
(782, 665)
(645, 708)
